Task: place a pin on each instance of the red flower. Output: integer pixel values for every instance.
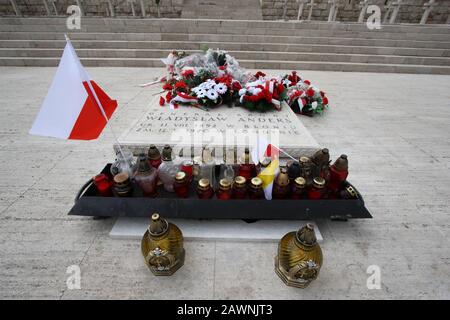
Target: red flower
(296, 94)
(227, 79)
(249, 98)
(254, 98)
(161, 101)
(275, 95)
(187, 73)
(259, 74)
(322, 94)
(310, 93)
(181, 85)
(223, 67)
(307, 82)
(280, 88)
(325, 100)
(168, 96)
(237, 86)
(267, 95)
(167, 86)
(293, 78)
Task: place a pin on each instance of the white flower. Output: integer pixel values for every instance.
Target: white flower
(287, 82)
(206, 85)
(302, 85)
(255, 83)
(314, 105)
(212, 94)
(221, 88)
(201, 93)
(242, 91)
(209, 84)
(254, 90)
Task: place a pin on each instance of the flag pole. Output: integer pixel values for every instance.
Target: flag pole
(284, 152)
(102, 110)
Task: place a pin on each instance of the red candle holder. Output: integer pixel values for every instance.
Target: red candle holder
(248, 171)
(181, 185)
(239, 190)
(317, 189)
(103, 185)
(224, 191)
(204, 189)
(299, 188)
(255, 191)
(338, 173)
(154, 156)
(188, 168)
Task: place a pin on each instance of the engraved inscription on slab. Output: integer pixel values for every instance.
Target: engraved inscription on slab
(231, 127)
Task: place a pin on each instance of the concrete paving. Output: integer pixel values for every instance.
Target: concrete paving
(394, 127)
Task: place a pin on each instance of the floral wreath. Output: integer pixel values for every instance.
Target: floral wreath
(215, 78)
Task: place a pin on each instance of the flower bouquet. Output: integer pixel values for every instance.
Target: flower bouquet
(262, 94)
(304, 98)
(215, 78)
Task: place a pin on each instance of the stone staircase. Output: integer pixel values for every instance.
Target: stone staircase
(256, 44)
(222, 9)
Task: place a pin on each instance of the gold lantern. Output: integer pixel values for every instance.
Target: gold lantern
(162, 247)
(299, 257)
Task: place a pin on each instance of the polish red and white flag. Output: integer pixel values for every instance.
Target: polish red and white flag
(75, 106)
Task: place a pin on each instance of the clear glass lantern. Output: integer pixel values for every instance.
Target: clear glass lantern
(125, 162)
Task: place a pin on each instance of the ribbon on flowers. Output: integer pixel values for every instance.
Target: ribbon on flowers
(256, 87)
(269, 86)
(182, 97)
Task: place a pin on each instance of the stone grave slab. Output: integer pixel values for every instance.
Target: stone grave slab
(219, 230)
(189, 128)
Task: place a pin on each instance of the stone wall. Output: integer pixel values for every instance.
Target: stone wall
(410, 12)
(168, 8)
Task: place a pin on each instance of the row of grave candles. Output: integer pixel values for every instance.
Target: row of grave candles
(308, 178)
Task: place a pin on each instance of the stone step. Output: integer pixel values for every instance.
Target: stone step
(249, 24)
(240, 55)
(225, 38)
(234, 30)
(227, 13)
(251, 64)
(230, 46)
(262, 44)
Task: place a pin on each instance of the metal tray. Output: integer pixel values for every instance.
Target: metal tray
(88, 203)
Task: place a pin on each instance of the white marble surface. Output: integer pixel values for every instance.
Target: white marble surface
(234, 128)
(394, 127)
(217, 230)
